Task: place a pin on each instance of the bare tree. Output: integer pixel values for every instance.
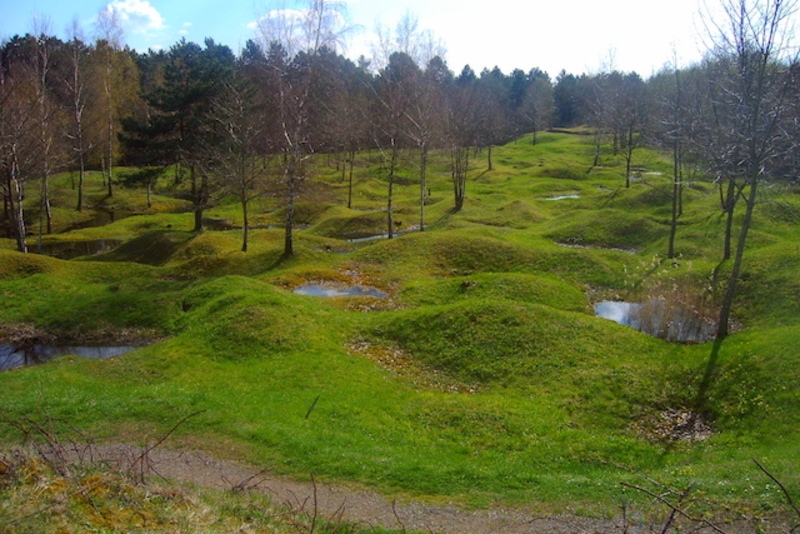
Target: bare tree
(110, 36)
(78, 93)
(632, 118)
(619, 111)
(408, 38)
(396, 90)
(18, 132)
(298, 36)
(426, 119)
(411, 102)
(239, 127)
(678, 102)
(45, 119)
(351, 121)
(472, 113)
(749, 83)
(538, 103)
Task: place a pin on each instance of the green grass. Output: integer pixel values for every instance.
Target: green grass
(484, 377)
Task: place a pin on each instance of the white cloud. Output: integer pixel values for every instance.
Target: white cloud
(293, 27)
(137, 16)
(285, 17)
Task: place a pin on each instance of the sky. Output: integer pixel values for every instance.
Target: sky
(579, 36)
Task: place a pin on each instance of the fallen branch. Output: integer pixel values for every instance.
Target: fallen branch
(140, 460)
(245, 485)
(781, 486)
(397, 517)
(675, 508)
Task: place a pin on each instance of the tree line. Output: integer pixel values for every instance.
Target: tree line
(246, 123)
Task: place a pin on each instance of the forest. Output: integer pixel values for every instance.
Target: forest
(483, 217)
(245, 124)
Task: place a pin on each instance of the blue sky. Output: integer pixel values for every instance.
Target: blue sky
(575, 35)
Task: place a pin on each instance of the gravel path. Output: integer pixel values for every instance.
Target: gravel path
(369, 509)
(334, 501)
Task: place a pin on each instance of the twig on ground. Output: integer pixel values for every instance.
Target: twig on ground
(244, 485)
(311, 408)
(676, 509)
(783, 489)
(397, 517)
(140, 460)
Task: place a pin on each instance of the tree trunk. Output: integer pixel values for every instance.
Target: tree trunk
(730, 203)
(350, 182)
(676, 184)
(423, 166)
(246, 223)
(460, 165)
(110, 127)
(291, 184)
(45, 206)
(389, 214)
(81, 176)
(288, 238)
(629, 155)
(198, 219)
(199, 203)
(730, 291)
(17, 195)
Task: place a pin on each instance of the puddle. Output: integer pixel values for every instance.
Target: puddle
(318, 290)
(103, 217)
(368, 238)
(588, 247)
(562, 197)
(655, 318)
(11, 357)
(219, 225)
(619, 312)
(67, 250)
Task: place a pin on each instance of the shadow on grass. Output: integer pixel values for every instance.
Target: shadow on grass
(701, 399)
(153, 248)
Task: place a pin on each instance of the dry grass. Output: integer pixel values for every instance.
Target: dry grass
(677, 311)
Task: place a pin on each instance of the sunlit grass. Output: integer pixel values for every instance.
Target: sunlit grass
(483, 377)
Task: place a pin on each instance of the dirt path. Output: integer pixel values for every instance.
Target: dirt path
(362, 507)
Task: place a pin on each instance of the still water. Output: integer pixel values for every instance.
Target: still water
(11, 357)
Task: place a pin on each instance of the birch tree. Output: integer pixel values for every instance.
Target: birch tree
(300, 35)
(749, 63)
(110, 35)
(75, 81)
(18, 105)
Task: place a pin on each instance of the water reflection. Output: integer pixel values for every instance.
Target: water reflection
(19, 356)
(619, 312)
(317, 290)
(660, 318)
(102, 217)
(562, 197)
(67, 250)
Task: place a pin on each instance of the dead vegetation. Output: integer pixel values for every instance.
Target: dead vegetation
(402, 364)
(56, 485)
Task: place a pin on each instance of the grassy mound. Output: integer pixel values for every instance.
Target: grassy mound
(518, 287)
(482, 377)
(490, 341)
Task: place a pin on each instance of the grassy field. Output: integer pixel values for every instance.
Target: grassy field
(484, 377)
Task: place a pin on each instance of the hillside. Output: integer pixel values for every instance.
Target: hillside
(478, 375)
